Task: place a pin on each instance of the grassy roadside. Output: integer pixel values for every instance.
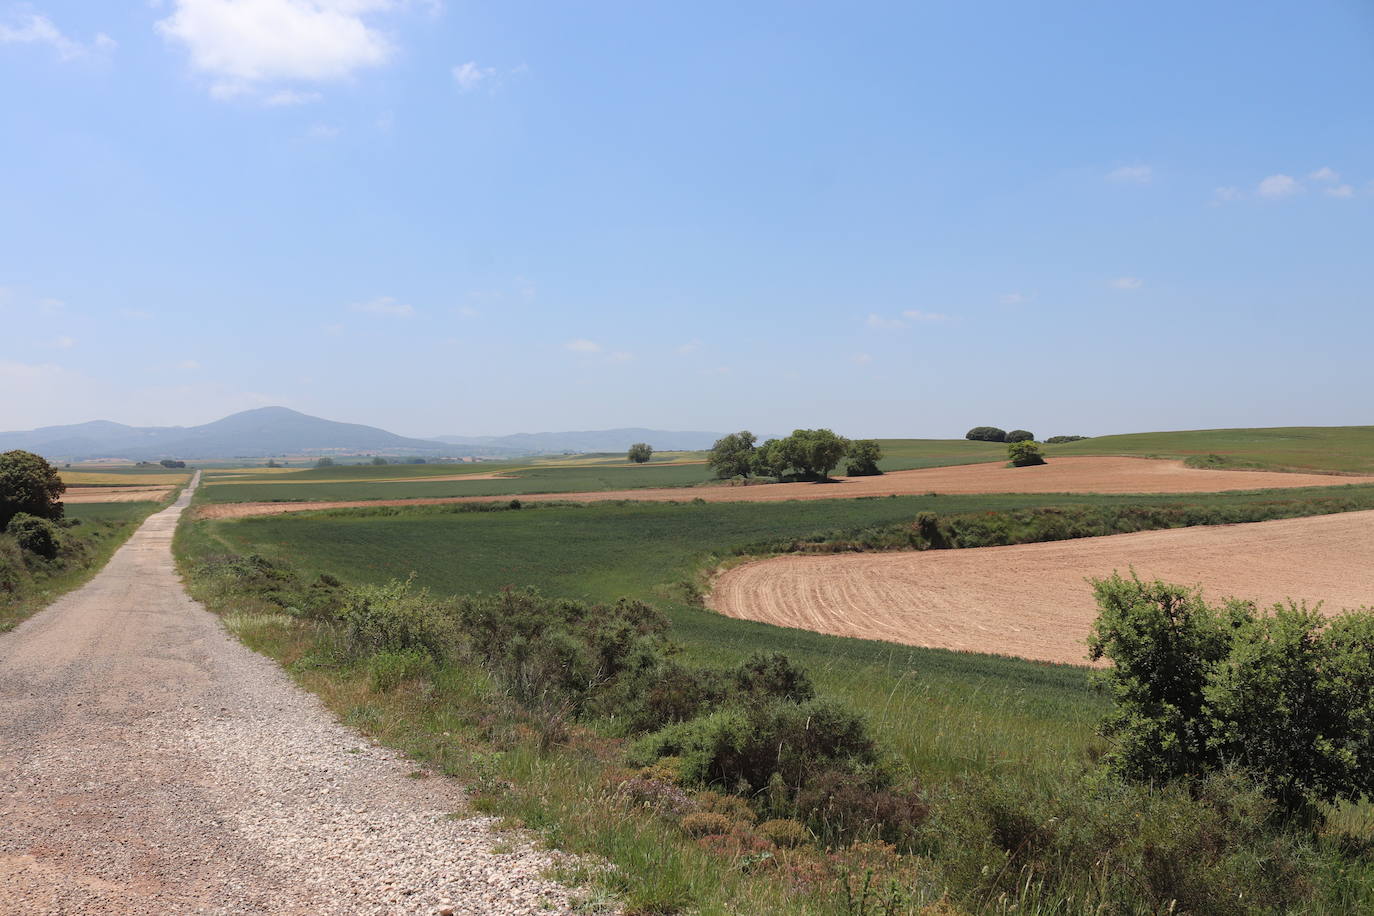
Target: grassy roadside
(28, 583)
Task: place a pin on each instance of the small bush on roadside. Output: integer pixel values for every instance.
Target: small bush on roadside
(38, 536)
(395, 617)
(389, 669)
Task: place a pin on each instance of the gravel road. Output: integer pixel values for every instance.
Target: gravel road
(149, 763)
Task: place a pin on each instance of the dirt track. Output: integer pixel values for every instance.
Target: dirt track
(1063, 475)
(150, 764)
(1031, 600)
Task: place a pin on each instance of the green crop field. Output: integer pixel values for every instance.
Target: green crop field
(1347, 449)
(909, 454)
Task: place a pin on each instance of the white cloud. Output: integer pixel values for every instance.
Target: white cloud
(1325, 173)
(35, 29)
(883, 324)
(64, 343)
(333, 330)
(582, 345)
(470, 76)
(620, 356)
(1340, 190)
(384, 305)
(1128, 283)
(466, 311)
(1012, 298)
(321, 132)
(51, 306)
(689, 347)
(925, 317)
(1276, 186)
(283, 98)
(188, 364)
(246, 45)
(135, 314)
(862, 359)
(1136, 174)
(1226, 194)
(717, 370)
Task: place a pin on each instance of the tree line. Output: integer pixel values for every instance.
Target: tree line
(807, 454)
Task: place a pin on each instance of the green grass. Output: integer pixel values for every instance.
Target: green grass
(1346, 449)
(908, 454)
(104, 527)
(529, 480)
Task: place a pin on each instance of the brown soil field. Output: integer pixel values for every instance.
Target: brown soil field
(115, 494)
(1063, 475)
(1033, 600)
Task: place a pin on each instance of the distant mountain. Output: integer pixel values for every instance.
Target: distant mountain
(600, 440)
(250, 434)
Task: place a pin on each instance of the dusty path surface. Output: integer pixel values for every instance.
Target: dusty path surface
(150, 764)
(1032, 600)
(1062, 475)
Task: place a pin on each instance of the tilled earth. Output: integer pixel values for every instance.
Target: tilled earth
(150, 764)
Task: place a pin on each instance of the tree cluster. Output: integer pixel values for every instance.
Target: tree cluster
(172, 463)
(807, 454)
(995, 434)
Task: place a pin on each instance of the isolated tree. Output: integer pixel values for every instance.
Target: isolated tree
(640, 452)
(1025, 454)
(1285, 694)
(864, 455)
(272, 463)
(986, 434)
(325, 462)
(379, 461)
(1020, 435)
(29, 484)
(733, 455)
(813, 453)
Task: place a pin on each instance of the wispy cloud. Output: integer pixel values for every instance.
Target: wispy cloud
(689, 347)
(1127, 283)
(248, 48)
(1226, 194)
(1340, 190)
(1325, 173)
(188, 365)
(64, 343)
(881, 323)
(910, 316)
(1277, 186)
(470, 76)
(284, 98)
(384, 305)
(582, 345)
(32, 28)
(863, 359)
(1132, 174)
(51, 306)
(321, 132)
(1012, 298)
(135, 314)
(924, 317)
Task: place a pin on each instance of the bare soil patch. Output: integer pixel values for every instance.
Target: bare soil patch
(1062, 475)
(115, 494)
(1033, 600)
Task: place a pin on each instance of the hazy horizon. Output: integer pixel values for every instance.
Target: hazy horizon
(489, 219)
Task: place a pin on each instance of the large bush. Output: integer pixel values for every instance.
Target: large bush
(1287, 695)
(640, 452)
(1024, 454)
(36, 535)
(397, 618)
(1060, 440)
(986, 434)
(864, 455)
(1020, 435)
(28, 484)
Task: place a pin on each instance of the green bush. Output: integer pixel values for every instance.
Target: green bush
(733, 455)
(1060, 440)
(864, 455)
(36, 535)
(640, 452)
(986, 434)
(389, 669)
(1024, 454)
(28, 484)
(1020, 435)
(1286, 695)
(394, 617)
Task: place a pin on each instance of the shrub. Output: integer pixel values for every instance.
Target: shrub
(28, 484)
(864, 455)
(706, 823)
(773, 677)
(668, 693)
(1060, 440)
(325, 462)
(731, 806)
(785, 833)
(393, 617)
(1024, 454)
(36, 535)
(1020, 435)
(388, 670)
(1288, 695)
(378, 461)
(986, 434)
(733, 455)
(640, 452)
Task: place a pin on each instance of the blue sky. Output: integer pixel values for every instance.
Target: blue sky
(893, 219)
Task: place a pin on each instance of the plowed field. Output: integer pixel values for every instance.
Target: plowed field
(1033, 600)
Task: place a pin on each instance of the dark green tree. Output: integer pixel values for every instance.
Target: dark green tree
(325, 462)
(1024, 454)
(379, 461)
(864, 455)
(29, 484)
(733, 455)
(1020, 435)
(986, 434)
(640, 452)
(813, 453)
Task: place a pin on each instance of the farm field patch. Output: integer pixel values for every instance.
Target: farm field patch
(1065, 475)
(130, 494)
(1031, 600)
(1345, 449)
